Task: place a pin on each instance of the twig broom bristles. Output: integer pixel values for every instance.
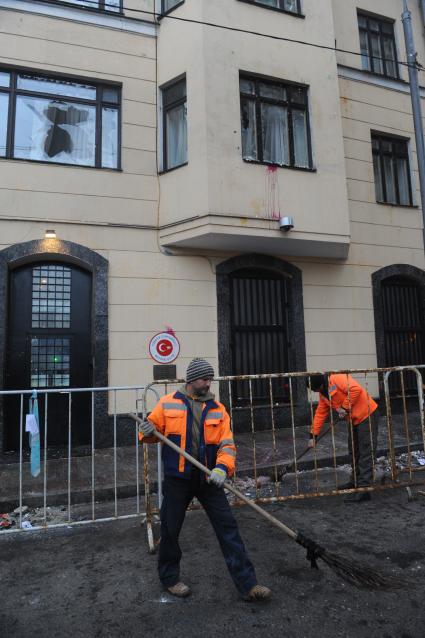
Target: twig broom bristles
(351, 571)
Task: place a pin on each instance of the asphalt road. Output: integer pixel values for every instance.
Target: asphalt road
(99, 581)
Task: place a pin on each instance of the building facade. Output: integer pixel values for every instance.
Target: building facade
(165, 153)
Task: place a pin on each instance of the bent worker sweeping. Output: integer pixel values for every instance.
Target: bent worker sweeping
(342, 393)
(200, 425)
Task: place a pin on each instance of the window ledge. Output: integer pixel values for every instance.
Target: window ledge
(166, 13)
(110, 12)
(170, 170)
(292, 168)
(45, 163)
(278, 9)
(414, 206)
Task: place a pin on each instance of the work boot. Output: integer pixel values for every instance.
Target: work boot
(180, 590)
(357, 498)
(258, 592)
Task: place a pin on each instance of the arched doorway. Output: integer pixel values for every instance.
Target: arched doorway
(260, 327)
(49, 346)
(399, 306)
(53, 334)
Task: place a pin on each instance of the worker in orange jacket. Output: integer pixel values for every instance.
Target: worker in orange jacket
(196, 422)
(342, 393)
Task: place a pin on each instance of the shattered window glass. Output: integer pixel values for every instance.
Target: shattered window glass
(55, 131)
(59, 120)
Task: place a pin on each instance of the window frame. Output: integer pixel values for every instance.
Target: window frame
(257, 3)
(164, 12)
(258, 100)
(13, 92)
(101, 8)
(380, 137)
(380, 20)
(172, 105)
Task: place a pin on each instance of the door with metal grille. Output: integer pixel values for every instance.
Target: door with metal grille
(259, 332)
(404, 328)
(49, 346)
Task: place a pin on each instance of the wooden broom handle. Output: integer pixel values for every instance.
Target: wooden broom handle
(228, 485)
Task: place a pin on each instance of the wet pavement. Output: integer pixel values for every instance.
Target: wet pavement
(99, 581)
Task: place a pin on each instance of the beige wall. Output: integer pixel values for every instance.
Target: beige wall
(150, 290)
(217, 180)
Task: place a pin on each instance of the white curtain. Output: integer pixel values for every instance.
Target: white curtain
(299, 126)
(4, 105)
(176, 125)
(109, 137)
(403, 182)
(274, 120)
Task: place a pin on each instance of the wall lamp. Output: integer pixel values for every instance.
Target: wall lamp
(50, 234)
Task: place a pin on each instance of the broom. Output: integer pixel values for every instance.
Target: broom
(285, 469)
(352, 572)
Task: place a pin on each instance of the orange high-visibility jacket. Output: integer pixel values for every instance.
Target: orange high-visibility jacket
(172, 417)
(346, 393)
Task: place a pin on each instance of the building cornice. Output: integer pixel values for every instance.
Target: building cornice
(75, 14)
(357, 75)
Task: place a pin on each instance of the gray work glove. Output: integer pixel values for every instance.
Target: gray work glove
(217, 477)
(146, 428)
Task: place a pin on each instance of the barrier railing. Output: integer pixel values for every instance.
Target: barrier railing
(112, 476)
(274, 464)
(92, 464)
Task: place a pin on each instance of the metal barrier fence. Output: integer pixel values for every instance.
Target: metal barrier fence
(270, 465)
(110, 477)
(75, 471)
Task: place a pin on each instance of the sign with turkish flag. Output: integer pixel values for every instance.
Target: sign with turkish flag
(164, 347)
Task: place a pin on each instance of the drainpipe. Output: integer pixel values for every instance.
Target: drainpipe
(416, 102)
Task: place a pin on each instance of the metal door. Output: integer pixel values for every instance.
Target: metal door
(259, 332)
(404, 328)
(49, 346)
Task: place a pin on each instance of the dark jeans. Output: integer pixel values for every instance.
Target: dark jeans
(178, 493)
(362, 450)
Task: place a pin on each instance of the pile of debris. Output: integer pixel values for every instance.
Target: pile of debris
(34, 517)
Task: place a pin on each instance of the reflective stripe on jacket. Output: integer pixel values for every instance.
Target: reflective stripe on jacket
(172, 417)
(346, 393)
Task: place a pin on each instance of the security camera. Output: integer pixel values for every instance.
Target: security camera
(286, 223)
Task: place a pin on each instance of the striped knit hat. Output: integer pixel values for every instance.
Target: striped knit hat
(199, 369)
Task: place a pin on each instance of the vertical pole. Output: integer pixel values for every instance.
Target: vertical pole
(406, 18)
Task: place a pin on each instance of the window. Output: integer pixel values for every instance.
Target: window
(377, 45)
(51, 297)
(174, 124)
(98, 5)
(59, 120)
(290, 6)
(391, 170)
(274, 123)
(167, 5)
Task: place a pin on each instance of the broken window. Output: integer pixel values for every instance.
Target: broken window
(59, 120)
(274, 123)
